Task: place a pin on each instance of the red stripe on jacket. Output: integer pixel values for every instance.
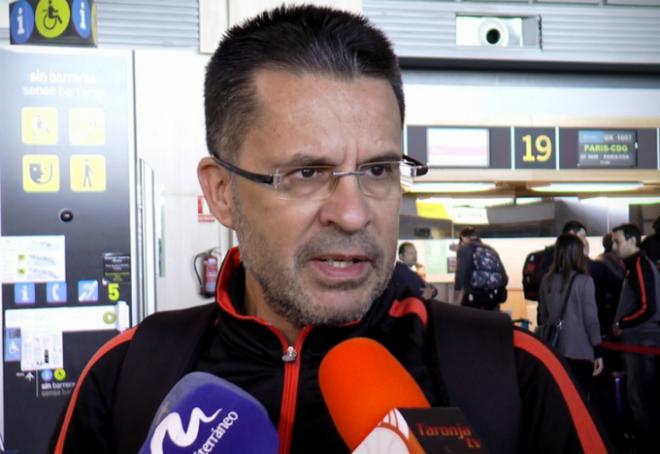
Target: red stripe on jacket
(409, 305)
(642, 287)
(112, 343)
(587, 432)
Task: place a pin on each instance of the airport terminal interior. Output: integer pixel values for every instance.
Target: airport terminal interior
(529, 113)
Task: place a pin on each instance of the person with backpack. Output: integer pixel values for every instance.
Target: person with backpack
(304, 114)
(567, 295)
(480, 280)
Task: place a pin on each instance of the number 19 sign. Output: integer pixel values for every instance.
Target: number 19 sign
(535, 148)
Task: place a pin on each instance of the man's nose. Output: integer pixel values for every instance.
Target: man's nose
(347, 207)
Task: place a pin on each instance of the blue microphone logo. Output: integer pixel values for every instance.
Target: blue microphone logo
(173, 426)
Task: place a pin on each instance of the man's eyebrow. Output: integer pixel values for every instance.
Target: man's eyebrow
(307, 159)
(384, 157)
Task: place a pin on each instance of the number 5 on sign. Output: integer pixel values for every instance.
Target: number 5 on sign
(113, 291)
(535, 148)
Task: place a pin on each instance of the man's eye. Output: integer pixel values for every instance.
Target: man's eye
(308, 173)
(379, 170)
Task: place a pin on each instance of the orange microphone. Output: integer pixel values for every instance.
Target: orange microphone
(378, 408)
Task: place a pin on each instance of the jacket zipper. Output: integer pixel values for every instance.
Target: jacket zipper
(291, 359)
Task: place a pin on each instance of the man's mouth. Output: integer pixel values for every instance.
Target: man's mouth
(342, 262)
(341, 267)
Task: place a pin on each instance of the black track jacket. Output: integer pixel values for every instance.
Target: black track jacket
(249, 352)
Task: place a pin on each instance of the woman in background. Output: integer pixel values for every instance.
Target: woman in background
(579, 342)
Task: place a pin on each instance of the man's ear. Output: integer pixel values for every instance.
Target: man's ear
(214, 181)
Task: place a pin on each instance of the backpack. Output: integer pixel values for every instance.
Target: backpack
(537, 264)
(488, 279)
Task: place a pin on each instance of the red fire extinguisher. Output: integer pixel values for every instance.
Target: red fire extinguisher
(209, 273)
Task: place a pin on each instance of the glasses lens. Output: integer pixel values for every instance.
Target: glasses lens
(303, 182)
(380, 179)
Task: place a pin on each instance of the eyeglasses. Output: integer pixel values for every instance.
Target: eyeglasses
(375, 179)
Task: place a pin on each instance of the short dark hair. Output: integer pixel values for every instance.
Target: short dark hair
(573, 227)
(607, 242)
(629, 231)
(301, 39)
(403, 246)
(467, 232)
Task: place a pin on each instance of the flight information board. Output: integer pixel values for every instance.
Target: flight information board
(521, 147)
(607, 148)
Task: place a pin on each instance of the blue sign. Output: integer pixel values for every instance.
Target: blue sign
(24, 293)
(88, 291)
(56, 292)
(12, 344)
(82, 17)
(21, 21)
(47, 375)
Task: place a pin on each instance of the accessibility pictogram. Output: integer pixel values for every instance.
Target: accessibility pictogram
(41, 173)
(86, 126)
(39, 125)
(88, 173)
(52, 17)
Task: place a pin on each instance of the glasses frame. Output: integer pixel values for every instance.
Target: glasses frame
(272, 180)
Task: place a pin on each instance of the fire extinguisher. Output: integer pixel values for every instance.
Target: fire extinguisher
(209, 273)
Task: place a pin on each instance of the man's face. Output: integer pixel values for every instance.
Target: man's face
(409, 256)
(582, 235)
(624, 248)
(318, 262)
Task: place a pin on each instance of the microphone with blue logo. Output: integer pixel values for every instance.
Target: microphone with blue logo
(205, 414)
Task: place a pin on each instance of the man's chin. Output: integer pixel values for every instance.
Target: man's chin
(337, 307)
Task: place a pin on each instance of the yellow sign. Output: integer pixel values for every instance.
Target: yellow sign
(88, 173)
(431, 209)
(86, 127)
(59, 374)
(52, 17)
(39, 125)
(41, 173)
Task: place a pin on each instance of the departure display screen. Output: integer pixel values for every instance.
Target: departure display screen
(607, 148)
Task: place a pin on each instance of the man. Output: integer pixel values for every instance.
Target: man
(480, 279)
(651, 244)
(404, 273)
(637, 323)
(304, 114)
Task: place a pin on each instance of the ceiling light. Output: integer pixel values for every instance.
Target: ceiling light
(457, 187)
(588, 187)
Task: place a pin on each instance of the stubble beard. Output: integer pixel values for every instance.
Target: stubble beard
(281, 285)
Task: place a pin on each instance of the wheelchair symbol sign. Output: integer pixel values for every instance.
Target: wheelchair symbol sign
(52, 17)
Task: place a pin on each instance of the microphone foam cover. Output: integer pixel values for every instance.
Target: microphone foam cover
(361, 382)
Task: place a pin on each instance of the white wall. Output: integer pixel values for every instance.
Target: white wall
(170, 138)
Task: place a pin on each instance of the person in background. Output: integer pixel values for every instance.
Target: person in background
(404, 273)
(637, 323)
(466, 239)
(480, 279)
(651, 244)
(615, 271)
(579, 342)
(597, 270)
